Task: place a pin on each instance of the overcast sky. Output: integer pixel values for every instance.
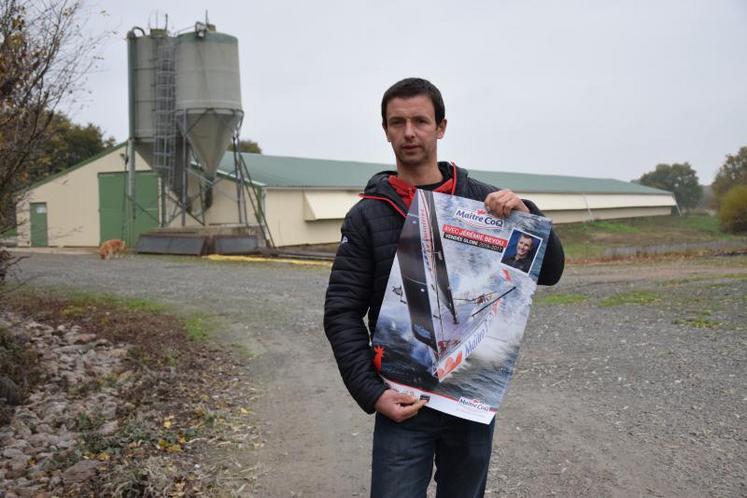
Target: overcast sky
(601, 88)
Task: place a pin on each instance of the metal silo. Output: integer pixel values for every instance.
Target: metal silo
(208, 93)
(143, 54)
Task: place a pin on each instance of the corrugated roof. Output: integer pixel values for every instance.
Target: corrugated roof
(278, 171)
(290, 172)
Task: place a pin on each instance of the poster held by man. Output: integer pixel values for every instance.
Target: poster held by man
(452, 322)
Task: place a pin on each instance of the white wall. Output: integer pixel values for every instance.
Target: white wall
(72, 202)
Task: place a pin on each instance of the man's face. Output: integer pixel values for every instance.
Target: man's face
(412, 129)
(523, 246)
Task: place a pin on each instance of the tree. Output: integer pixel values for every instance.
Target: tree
(679, 179)
(733, 211)
(68, 144)
(249, 146)
(44, 57)
(732, 172)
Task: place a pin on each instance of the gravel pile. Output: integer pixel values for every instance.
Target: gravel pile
(43, 432)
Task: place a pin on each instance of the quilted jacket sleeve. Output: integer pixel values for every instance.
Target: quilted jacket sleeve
(347, 301)
(554, 262)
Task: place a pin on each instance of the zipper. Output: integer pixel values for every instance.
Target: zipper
(391, 202)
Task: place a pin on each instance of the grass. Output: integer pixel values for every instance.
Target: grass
(591, 239)
(699, 323)
(129, 303)
(642, 297)
(198, 327)
(561, 299)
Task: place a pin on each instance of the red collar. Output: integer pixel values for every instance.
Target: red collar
(407, 191)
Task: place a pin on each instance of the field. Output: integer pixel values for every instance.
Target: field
(630, 380)
(638, 236)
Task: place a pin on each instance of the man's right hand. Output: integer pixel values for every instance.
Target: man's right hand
(398, 406)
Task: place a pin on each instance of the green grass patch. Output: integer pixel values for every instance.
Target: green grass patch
(641, 297)
(561, 299)
(78, 300)
(78, 304)
(592, 239)
(734, 276)
(701, 321)
(198, 327)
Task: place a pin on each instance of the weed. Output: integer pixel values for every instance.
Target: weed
(634, 297)
(699, 322)
(561, 299)
(85, 422)
(197, 327)
(73, 311)
(136, 430)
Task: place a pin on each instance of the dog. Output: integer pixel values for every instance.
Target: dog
(111, 248)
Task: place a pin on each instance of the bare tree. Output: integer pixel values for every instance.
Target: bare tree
(44, 57)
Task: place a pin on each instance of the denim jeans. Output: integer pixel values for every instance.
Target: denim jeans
(403, 456)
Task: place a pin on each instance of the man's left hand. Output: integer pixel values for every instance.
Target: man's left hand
(501, 203)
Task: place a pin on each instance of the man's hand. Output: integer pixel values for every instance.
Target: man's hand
(398, 406)
(501, 203)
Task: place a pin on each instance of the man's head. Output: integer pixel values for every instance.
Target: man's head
(523, 246)
(413, 120)
(412, 87)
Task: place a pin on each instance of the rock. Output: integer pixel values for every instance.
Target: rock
(118, 353)
(20, 444)
(55, 480)
(66, 441)
(109, 428)
(44, 428)
(20, 428)
(109, 410)
(74, 348)
(16, 467)
(55, 410)
(83, 338)
(40, 440)
(12, 453)
(125, 376)
(10, 391)
(81, 471)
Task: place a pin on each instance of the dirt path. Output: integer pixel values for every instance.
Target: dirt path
(622, 399)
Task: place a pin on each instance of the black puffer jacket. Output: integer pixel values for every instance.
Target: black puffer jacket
(370, 235)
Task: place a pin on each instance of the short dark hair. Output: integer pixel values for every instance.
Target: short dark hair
(412, 87)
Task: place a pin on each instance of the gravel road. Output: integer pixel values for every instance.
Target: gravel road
(631, 380)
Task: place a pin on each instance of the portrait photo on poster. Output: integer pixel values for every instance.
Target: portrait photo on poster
(521, 251)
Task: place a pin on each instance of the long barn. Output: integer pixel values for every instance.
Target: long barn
(304, 200)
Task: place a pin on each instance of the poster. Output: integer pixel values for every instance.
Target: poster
(457, 302)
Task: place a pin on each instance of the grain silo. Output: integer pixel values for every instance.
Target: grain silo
(185, 110)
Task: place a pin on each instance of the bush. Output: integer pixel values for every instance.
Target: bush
(733, 211)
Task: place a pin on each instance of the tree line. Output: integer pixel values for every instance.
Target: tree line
(729, 188)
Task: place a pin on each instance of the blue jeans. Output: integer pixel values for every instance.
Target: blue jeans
(403, 455)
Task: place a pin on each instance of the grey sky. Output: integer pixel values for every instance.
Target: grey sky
(601, 88)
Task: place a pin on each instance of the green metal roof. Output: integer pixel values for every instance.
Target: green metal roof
(297, 172)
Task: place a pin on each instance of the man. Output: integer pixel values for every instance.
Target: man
(522, 258)
(408, 436)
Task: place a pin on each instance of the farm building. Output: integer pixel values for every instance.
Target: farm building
(304, 200)
(175, 183)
